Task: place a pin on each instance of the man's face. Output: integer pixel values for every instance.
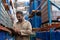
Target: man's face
(19, 17)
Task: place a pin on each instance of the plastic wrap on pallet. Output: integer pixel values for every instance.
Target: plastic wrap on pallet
(6, 21)
(55, 14)
(4, 17)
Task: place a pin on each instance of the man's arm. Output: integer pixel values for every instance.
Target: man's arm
(29, 30)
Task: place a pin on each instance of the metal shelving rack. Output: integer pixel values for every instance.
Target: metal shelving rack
(35, 20)
(46, 6)
(46, 9)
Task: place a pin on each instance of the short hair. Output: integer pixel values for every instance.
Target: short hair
(19, 12)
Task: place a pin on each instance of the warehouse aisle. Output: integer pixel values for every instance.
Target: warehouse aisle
(42, 15)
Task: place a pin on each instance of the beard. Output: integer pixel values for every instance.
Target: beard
(20, 20)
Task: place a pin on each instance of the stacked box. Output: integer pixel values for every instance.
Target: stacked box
(44, 10)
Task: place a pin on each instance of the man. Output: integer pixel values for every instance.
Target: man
(22, 27)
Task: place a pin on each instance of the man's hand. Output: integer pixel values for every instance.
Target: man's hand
(17, 30)
(5, 29)
(28, 32)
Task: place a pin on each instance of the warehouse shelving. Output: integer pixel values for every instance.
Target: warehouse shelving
(46, 13)
(35, 19)
(46, 9)
(46, 31)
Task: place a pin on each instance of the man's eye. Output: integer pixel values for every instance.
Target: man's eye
(18, 17)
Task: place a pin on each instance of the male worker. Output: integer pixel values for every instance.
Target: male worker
(22, 27)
